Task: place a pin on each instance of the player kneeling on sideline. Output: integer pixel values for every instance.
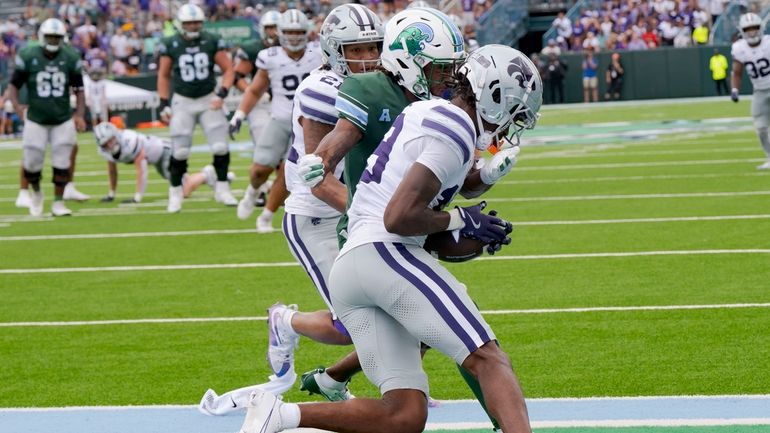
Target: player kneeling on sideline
(130, 147)
(388, 291)
(753, 53)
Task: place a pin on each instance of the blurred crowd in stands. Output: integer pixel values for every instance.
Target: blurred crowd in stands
(122, 35)
(637, 25)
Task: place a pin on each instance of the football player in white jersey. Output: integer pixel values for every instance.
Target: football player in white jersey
(130, 147)
(282, 69)
(351, 41)
(753, 54)
(390, 293)
(96, 95)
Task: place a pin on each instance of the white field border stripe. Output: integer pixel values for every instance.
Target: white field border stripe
(250, 231)
(624, 196)
(443, 402)
(291, 264)
(483, 312)
(686, 422)
(637, 164)
(631, 178)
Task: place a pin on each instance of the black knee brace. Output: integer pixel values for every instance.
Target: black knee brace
(61, 176)
(177, 168)
(221, 164)
(33, 177)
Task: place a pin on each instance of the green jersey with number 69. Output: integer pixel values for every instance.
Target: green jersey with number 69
(192, 62)
(48, 82)
(371, 101)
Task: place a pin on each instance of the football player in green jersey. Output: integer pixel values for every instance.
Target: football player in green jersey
(49, 71)
(187, 61)
(421, 51)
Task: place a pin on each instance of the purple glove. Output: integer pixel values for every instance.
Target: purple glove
(480, 226)
(497, 246)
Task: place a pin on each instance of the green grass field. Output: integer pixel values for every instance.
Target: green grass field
(692, 202)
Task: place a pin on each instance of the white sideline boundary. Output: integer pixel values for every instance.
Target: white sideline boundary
(295, 264)
(251, 231)
(484, 312)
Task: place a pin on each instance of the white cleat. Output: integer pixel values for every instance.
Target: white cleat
(264, 225)
(765, 166)
(175, 197)
(36, 203)
(58, 209)
(71, 193)
(211, 176)
(23, 200)
(282, 340)
(223, 195)
(263, 414)
(246, 205)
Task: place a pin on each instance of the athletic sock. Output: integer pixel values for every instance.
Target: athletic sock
(474, 385)
(221, 163)
(327, 381)
(177, 169)
(290, 414)
(287, 321)
(267, 215)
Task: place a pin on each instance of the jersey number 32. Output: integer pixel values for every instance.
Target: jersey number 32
(760, 68)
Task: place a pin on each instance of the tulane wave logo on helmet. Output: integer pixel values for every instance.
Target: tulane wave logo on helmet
(413, 37)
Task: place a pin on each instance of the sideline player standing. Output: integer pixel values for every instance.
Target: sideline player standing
(282, 69)
(389, 292)
(49, 70)
(187, 59)
(753, 53)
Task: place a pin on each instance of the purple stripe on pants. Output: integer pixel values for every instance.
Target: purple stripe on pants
(428, 293)
(308, 266)
(414, 261)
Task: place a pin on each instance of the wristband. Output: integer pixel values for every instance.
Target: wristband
(455, 220)
(222, 92)
(239, 115)
(163, 103)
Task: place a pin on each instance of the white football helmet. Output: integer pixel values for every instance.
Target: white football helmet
(187, 14)
(52, 27)
(269, 19)
(416, 38)
(105, 132)
(418, 4)
(508, 91)
(754, 22)
(346, 25)
(293, 20)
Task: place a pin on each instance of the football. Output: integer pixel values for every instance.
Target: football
(443, 246)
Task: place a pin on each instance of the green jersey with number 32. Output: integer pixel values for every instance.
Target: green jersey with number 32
(192, 62)
(48, 82)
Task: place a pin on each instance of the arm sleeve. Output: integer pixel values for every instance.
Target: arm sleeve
(349, 103)
(262, 59)
(444, 161)
(18, 78)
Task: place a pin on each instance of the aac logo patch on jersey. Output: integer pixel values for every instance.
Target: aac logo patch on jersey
(385, 115)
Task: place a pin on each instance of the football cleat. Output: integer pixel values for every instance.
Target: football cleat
(23, 200)
(246, 205)
(223, 195)
(262, 192)
(211, 176)
(175, 196)
(765, 166)
(312, 385)
(283, 340)
(263, 414)
(71, 193)
(59, 209)
(36, 203)
(264, 224)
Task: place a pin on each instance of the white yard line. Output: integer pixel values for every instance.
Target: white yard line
(631, 178)
(640, 164)
(292, 264)
(251, 231)
(484, 312)
(623, 196)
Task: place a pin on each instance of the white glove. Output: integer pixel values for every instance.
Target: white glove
(235, 123)
(500, 165)
(311, 169)
(165, 114)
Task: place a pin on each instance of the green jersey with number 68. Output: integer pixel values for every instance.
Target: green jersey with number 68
(48, 82)
(192, 62)
(371, 101)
